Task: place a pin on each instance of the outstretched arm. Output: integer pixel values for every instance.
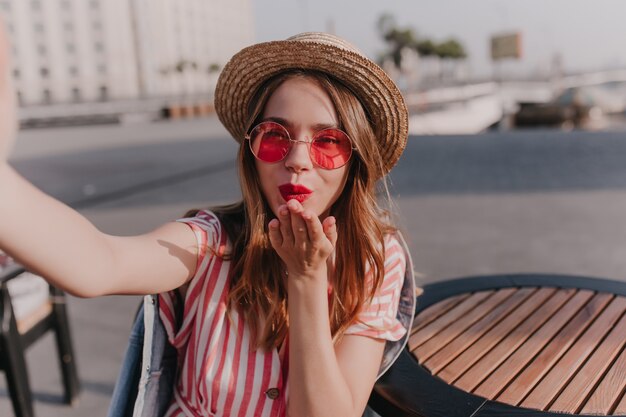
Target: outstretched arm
(55, 241)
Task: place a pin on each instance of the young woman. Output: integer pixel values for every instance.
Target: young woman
(282, 304)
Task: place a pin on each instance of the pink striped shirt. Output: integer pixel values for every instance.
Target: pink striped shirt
(219, 374)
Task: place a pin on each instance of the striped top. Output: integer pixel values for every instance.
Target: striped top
(219, 374)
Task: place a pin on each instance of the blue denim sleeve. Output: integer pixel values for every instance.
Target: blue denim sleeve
(125, 392)
(146, 382)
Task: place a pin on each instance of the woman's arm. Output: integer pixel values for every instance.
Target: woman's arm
(8, 121)
(57, 242)
(324, 380)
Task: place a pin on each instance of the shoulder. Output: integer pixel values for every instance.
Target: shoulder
(203, 218)
(210, 235)
(207, 227)
(395, 256)
(393, 246)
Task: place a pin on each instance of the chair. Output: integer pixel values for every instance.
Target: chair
(18, 332)
(534, 345)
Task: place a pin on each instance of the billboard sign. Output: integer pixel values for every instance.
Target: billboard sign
(506, 46)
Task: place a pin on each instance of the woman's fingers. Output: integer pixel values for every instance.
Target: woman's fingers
(314, 226)
(276, 237)
(306, 226)
(285, 225)
(330, 229)
(302, 241)
(298, 226)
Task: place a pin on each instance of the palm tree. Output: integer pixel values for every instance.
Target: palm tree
(452, 52)
(396, 38)
(401, 39)
(451, 49)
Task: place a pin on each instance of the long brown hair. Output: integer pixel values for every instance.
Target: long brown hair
(257, 287)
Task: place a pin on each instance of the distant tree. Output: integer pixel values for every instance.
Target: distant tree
(426, 48)
(399, 39)
(386, 23)
(451, 49)
(180, 67)
(183, 65)
(213, 68)
(396, 38)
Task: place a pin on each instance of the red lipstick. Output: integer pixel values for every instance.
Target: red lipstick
(294, 192)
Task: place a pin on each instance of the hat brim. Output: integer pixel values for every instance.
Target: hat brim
(244, 74)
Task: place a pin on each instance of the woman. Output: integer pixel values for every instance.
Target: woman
(284, 303)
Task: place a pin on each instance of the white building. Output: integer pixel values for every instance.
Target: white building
(184, 43)
(94, 50)
(70, 50)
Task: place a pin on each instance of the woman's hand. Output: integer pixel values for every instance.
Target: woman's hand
(302, 241)
(8, 120)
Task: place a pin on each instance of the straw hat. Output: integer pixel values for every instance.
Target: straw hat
(252, 66)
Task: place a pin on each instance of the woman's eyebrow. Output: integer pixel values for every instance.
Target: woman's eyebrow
(321, 126)
(278, 120)
(316, 127)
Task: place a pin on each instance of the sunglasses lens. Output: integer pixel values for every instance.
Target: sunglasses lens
(331, 149)
(269, 142)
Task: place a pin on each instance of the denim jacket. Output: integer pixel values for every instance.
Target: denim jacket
(148, 373)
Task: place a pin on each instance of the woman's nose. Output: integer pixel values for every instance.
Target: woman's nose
(299, 157)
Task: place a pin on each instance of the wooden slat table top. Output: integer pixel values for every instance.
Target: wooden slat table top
(545, 348)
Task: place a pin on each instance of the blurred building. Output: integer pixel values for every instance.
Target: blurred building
(183, 44)
(68, 51)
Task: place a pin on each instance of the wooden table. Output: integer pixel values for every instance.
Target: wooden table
(514, 345)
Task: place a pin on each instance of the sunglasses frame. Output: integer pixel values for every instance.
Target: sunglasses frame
(292, 142)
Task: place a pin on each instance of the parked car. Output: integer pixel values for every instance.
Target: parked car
(573, 108)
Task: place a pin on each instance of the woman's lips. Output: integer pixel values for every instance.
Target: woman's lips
(294, 192)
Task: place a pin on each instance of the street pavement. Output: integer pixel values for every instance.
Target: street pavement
(499, 202)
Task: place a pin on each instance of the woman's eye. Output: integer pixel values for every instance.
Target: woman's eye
(276, 134)
(327, 140)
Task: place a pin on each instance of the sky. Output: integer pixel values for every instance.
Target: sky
(587, 34)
